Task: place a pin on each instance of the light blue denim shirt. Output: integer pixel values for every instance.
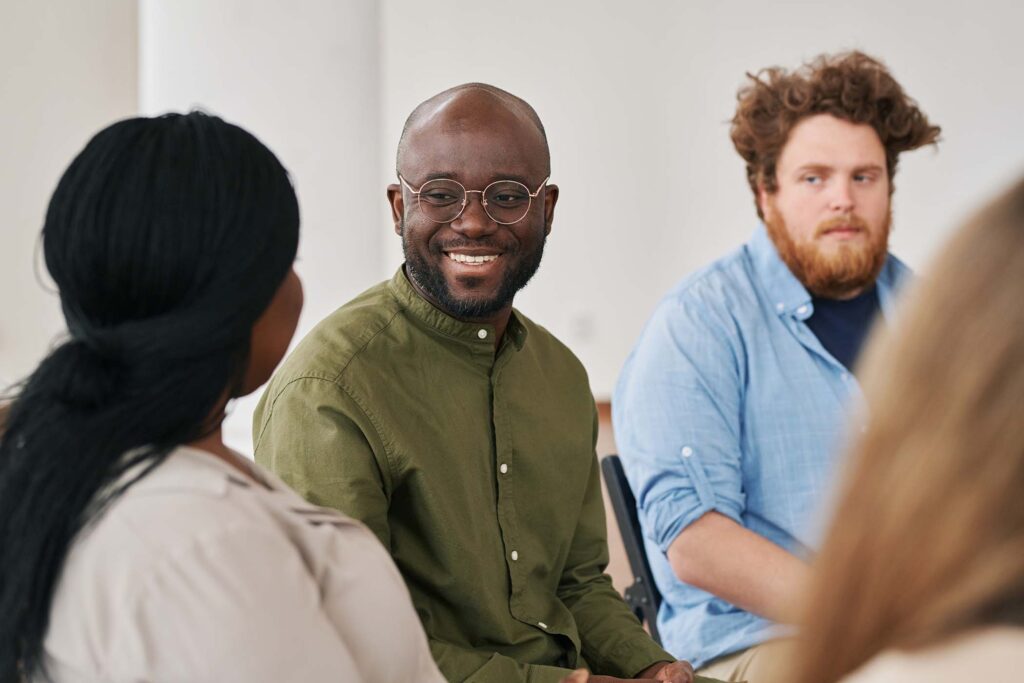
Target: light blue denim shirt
(729, 402)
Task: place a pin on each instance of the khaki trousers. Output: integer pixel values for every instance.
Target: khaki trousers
(764, 663)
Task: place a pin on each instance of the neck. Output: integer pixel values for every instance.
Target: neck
(213, 443)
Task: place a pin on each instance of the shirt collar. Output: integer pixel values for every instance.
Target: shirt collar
(789, 296)
(479, 337)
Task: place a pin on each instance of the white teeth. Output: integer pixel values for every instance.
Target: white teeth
(466, 258)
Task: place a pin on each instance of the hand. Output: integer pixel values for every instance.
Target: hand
(577, 676)
(671, 672)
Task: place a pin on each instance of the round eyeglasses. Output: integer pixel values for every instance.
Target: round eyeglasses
(443, 200)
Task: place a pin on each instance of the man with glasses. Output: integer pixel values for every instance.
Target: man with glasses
(458, 430)
(730, 410)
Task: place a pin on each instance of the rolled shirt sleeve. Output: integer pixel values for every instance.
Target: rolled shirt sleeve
(677, 415)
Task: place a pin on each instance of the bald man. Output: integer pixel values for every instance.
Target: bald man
(458, 430)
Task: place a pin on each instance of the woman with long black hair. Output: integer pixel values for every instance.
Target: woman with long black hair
(135, 545)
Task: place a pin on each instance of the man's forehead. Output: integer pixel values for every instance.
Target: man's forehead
(471, 159)
(828, 141)
(480, 114)
(451, 147)
(474, 123)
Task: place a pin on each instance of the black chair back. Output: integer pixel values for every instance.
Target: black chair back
(643, 596)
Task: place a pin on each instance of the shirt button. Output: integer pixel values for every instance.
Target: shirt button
(779, 307)
(503, 468)
(515, 555)
(482, 333)
(801, 310)
(542, 625)
(687, 451)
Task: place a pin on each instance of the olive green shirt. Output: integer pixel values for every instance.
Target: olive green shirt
(477, 471)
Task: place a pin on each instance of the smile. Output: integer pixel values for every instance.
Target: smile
(471, 259)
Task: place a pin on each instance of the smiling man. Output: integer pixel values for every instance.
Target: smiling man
(729, 410)
(458, 430)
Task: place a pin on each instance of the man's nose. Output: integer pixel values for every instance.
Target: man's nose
(842, 200)
(474, 222)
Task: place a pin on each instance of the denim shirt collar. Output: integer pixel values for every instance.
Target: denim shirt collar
(791, 298)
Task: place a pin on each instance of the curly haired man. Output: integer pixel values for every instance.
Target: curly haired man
(729, 409)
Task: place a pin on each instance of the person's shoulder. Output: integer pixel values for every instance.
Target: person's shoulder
(985, 654)
(189, 495)
(331, 345)
(716, 293)
(716, 283)
(161, 518)
(191, 528)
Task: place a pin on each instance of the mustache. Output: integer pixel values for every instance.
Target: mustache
(848, 221)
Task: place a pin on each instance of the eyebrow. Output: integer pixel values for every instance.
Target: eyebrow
(440, 175)
(827, 167)
(451, 175)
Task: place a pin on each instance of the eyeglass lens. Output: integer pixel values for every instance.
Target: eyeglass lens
(505, 201)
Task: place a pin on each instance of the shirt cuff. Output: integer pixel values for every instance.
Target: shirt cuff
(633, 657)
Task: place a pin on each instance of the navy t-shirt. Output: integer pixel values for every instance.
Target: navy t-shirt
(842, 326)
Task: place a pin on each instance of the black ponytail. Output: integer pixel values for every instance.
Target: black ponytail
(167, 238)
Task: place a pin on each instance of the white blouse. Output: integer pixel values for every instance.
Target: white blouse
(991, 655)
(198, 574)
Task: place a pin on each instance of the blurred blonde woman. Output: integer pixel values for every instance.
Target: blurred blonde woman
(922, 575)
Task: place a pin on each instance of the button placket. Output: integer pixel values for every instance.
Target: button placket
(506, 506)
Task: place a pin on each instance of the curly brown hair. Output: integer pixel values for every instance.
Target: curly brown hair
(851, 86)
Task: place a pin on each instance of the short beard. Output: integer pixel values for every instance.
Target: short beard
(433, 283)
(848, 271)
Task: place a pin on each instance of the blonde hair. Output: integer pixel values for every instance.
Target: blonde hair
(928, 538)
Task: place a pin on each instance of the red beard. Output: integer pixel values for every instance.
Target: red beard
(851, 268)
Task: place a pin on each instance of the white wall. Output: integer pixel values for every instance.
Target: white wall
(303, 78)
(636, 99)
(66, 69)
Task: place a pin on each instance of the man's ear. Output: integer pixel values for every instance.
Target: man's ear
(550, 199)
(762, 201)
(397, 203)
